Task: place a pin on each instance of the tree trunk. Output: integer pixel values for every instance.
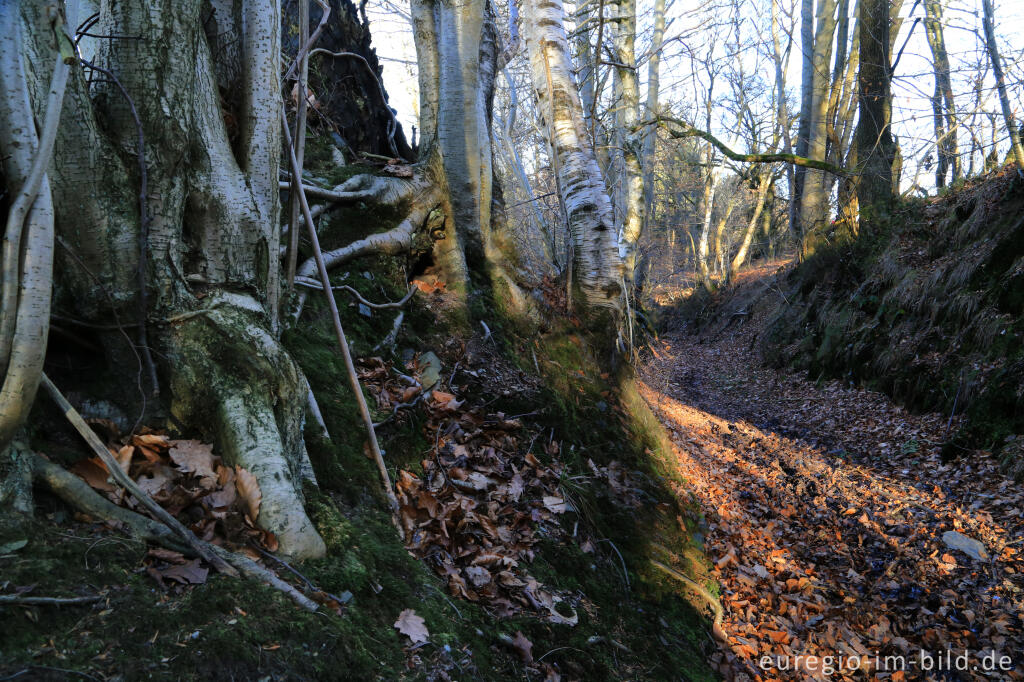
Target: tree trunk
(764, 183)
(627, 113)
(943, 102)
(457, 50)
(712, 174)
(988, 20)
(651, 110)
(803, 132)
(597, 267)
(875, 147)
(814, 204)
(212, 233)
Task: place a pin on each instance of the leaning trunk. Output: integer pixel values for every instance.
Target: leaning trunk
(597, 266)
(627, 112)
(997, 69)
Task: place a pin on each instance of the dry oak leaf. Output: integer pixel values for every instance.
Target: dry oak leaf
(94, 472)
(249, 490)
(187, 573)
(412, 626)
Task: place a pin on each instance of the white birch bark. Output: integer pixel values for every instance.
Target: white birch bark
(598, 266)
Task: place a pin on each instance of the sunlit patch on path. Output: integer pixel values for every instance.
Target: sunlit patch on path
(832, 545)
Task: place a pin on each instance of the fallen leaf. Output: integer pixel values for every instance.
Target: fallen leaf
(523, 647)
(554, 504)
(249, 490)
(189, 572)
(94, 472)
(195, 457)
(412, 626)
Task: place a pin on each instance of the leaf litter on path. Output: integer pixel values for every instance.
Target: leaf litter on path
(838, 541)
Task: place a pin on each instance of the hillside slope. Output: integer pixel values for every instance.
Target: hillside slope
(930, 312)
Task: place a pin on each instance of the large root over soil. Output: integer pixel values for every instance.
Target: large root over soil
(232, 377)
(423, 196)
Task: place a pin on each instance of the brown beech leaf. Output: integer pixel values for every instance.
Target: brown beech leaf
(555, 504)
(187, 573)
(194, 457)
(412, 626)
(124, 457)
(223, 498)
(249, 490)
(151, 440)
(161, 476)
(516, 487)
(523, 647)
(94, 472)
(168, 555)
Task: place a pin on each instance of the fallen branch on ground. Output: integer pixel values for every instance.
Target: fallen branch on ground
(19, 600)
(389, 340)
(79, 495)
(119, 475)
(325, 280)
(716, 606)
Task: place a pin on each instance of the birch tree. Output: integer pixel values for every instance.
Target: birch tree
(626, 95)
(596, 264)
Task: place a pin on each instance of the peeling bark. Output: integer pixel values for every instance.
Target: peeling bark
(597, 264)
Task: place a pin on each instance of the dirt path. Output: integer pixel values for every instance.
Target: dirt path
(825, 511)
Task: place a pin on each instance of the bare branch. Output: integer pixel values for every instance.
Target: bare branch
(688, 130)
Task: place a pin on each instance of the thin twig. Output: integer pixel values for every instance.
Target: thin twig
(313, 284)
(20, 600)
(309, 583)
(389, 340)
(339, 332)
(395, 410)
(119, 475)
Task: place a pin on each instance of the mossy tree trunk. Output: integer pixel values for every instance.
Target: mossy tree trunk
(209, 244)
(457, 47)
(875, 145)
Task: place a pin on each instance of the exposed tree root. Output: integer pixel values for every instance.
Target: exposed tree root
(716, 606)
(119, 475)
(19, 600)
(392, 242)
(313, 284)
(79, 495)
(231, 376)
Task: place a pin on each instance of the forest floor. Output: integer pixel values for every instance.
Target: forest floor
(841, 540)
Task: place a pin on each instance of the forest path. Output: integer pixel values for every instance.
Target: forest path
(825, 509)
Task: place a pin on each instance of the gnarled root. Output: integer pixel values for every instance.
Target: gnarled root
(231, 375)
(79, 495)
(425, 197)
